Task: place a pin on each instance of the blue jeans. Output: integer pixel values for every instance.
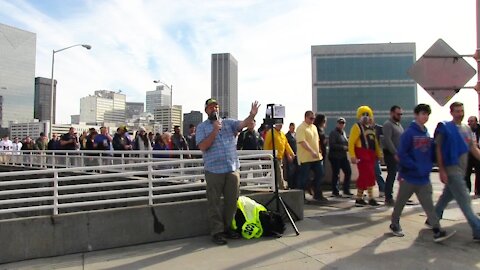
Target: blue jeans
(457, 189)
(378, 176)
(304, 176)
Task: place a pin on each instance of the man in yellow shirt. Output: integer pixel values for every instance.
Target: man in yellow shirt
(282, 149)
(309, 156)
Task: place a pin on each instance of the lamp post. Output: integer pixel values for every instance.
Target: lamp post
(86, 46)
(170, 124)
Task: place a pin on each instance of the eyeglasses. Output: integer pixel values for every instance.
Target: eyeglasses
(341, 123)
(311, 118)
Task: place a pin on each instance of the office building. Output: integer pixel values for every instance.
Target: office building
(17, 73)
(75, 119)
(345, 77)
(225, 84)
(32, 129)
(133, 108)
(168, 117)
(161, 96)
(193, 117)
(103, 107)
(42, 100)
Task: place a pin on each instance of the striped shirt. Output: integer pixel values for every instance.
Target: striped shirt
(221, 156)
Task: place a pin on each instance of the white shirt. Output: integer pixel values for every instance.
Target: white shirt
(17, 147)
(6, 145)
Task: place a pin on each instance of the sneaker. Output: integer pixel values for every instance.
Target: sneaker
(321, 199)
(442, 235)
(381, 194)
(231, 234)
(347, 193)
(219, 239)
(373, 202)
(390, 202)
(360, 203)
(396, 230)
(427, 224)
(335, 194)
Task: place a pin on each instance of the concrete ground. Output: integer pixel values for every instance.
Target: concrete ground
(333, 236)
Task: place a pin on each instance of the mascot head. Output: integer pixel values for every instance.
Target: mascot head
(364, 114)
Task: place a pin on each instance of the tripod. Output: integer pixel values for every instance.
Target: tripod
(276, 196)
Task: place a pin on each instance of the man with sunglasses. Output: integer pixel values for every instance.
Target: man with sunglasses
(217, 139)
(392, 130)
(309, 156)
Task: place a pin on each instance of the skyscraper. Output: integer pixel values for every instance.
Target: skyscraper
(225, 84)
(103, 107)
(157, 98)
(17, 73)
(193, 117)
(43, 88)
(133, 108)
(345, 77)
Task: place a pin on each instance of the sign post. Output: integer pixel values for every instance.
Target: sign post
(442, 72)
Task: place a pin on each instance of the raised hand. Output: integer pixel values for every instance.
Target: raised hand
(254, 109)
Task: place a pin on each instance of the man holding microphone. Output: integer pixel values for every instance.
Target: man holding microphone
(216, 138)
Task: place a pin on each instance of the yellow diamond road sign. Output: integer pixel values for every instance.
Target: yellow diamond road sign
(441, 71)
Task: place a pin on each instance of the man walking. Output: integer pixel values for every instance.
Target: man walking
(338, 148)
(216, 138)
(364, 151)
(473, 163)
(454, 141)
(392, 130)
(415, 154)
(309, 156)
(292, 167)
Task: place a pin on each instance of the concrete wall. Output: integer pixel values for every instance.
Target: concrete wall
(46, 236)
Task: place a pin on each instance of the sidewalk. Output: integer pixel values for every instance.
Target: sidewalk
(336, 236)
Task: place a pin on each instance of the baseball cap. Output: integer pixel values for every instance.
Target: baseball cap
(341, 120)
(124, 127)
(210, 101)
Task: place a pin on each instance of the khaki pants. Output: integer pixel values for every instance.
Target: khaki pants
(279, 173)
(227, 184)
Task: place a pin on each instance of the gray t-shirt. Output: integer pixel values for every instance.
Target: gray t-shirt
(468, 136)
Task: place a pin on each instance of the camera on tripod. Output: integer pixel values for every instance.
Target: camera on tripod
(274, 114)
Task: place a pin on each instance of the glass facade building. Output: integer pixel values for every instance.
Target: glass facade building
(225, 84)
(17, 74)
(42, 101)
(345, 77)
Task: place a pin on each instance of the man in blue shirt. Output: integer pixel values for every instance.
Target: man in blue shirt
(453, 142)
(415, 154)
(216, 138)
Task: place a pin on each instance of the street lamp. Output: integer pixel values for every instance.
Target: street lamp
(86, 46)
(171, 102)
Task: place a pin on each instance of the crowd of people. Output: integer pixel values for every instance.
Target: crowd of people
(409, 156)
(101, 140)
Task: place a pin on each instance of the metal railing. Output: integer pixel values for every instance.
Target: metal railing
(56, 182)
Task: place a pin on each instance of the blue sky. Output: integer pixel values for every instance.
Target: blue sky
(136, 42)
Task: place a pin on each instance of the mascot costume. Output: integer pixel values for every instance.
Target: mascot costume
(364, 149)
